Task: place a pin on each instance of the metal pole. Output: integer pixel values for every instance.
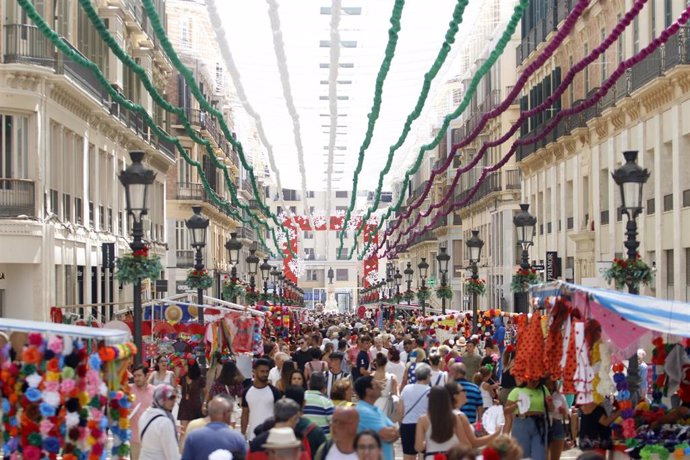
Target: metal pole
(137, 244)
(252, 285)
(475, 313)
(233, 278)
(444, 283)
(631, 243)
(422, 300)
(199, 265)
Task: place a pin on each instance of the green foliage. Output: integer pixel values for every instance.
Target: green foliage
(473, 286)
(629, 273)
(523, 279)
(137, 266)
(199, 279)
(423, 294)
(444, 292)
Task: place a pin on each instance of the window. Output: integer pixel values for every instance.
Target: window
(309, 254)
(343, 253)
(66, 207)
(341, 209)
(651, 208)
(341, 274)
(92, 217)
(110, 219)
(341, 193)
(312, 275)
(53, 205)
(686, 198)
(619, 44)
(670, 275)
(186, 33)
(78, 211)
(14, 138)
(604, 70)
(308, 235)
(668, 202)
(101, 217)
(668, 13)
(310, 194)
(636, 35)
(604, 217)
(219, 77)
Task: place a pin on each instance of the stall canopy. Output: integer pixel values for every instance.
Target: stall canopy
(650, 313)
(110, 336)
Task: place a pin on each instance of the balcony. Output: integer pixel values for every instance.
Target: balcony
(17, 198)
(185, 258)
(246, 233)
(427, 237)
(190, 191)
(495, 182)
(25, 44)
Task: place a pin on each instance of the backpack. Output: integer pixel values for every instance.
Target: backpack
(306, 448)
(322, 452)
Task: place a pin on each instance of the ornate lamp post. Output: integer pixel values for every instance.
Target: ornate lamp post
(630, 178)
(197, 225)
(409, 273)
(443, 258)
(398, 281)
(136, 180)
(281, 289)
(252, 266)
(265, 273)
(234, 246)
(525, 223)
(423, 267)
(474, 247)
(275, 273)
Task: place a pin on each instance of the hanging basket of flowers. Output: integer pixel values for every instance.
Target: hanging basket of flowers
(423, 294)
(397, 298)
(137, 266)
(251, 296)
(444, 292)
(232, 290)
(408, 296)
(523, 279)
(629, 273)
(199, 279)
(475, 286)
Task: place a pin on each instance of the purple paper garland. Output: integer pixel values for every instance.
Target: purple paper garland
(561, 35)
(610, 40)
(601, 92)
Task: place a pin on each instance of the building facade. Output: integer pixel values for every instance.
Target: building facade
(567, 176)
(64, 140)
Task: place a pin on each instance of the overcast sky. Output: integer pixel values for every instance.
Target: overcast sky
(250, 38)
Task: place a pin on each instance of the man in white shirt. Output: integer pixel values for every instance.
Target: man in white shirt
(258, 399)
(377, 348)
(274, 374)
(414, 402)
(343, 430)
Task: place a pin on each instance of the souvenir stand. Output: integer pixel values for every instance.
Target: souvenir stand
(589, 338)
(63, 388)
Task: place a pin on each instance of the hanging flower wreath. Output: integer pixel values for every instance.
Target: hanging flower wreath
(233, 290)
(137, 266)
(523, 279)
(251, 296)
(397, 298)
(475, 286)
(423, 294)
(408, 296)
(629, 272)
(444, 292)
(199, 279)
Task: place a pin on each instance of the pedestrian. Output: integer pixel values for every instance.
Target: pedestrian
(438, 376)
(161, 375)
(317, 407)
(413, 404)
(229, 383)
(474, 396)
(343, 432)
(471, 358)
(297, 378)
(557, 415)
(530, 424)
(368, 445)
(157, 427)
(316, 364)
(286, 374)
(258, 399)
(283, 444)
(142, 391)
(301, 356)
(335, 371)
(503, 448)
(217, 435)
(360, 368)
(439, 429)
(394, 365)
(275, 373)
(342, 392)
(305, 429)
(286, 415)
(388, 400)
(193, 397)
(371, 417)
(458, 398)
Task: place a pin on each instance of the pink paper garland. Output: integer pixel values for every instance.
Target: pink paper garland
(601, 92)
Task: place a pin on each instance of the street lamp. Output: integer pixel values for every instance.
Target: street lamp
(443, 258)
(423, 266)
(525, 223)
(281, 289)
(631, 178)
(409, 273)
(234, 246)
(274, 277)
(252, 266)
(265, 273)
(474, 247)
(197, 225)
(136, 180)
(398, 281)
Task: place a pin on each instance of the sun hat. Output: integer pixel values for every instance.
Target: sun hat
(281, 438)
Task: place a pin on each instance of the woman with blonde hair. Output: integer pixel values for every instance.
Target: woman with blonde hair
(341, 393)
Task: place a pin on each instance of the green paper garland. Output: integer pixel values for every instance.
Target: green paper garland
(476, 79)
(429, 76)
(187, 74)
(134, 268)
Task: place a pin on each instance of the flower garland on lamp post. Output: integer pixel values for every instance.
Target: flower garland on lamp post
(525, 224)
(409, 274)
(136, 180)
(474, 248)
(423, 293)
(252, 266)
(443, 292)
(198, 278)
(234, 246)
(630, 178)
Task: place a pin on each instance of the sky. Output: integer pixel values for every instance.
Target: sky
(303, 27)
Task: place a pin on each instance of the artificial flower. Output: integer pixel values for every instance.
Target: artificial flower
(55, 345)
(52, 376)
(32, 453)
(67, 347)
(67, 373)
(45, 426)
(490, 454)
(51, 445)
(53, 365)
(52, 398)
(33, 394)
(47, 410)
(51, 386)
(34, 380)
(35, 339)
(95, 362)
(31, 355)
(67, 386)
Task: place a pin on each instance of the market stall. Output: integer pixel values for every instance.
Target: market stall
(63, 388)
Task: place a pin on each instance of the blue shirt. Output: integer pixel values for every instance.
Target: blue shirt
(474, 400)
(373, 418)
(201, 443)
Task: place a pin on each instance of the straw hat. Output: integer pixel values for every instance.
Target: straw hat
(281, 438)
(173, 314)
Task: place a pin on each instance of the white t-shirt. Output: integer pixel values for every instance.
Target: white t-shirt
(558, 402)
(397, 369)
(438, 377)
(415, 399)
(373, 351)
(274, 375)
(335, 454)
(260, 402)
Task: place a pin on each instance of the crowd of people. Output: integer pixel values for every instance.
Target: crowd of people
(345, 389)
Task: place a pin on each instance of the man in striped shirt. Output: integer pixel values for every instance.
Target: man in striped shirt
(318, 409)
(474, 396)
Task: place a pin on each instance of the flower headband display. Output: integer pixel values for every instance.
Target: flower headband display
(54, 399)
